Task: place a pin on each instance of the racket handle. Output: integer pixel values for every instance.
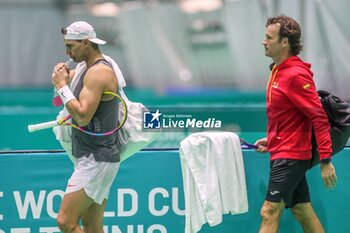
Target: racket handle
(40, 126)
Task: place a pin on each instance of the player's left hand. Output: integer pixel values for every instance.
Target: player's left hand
(328, 175)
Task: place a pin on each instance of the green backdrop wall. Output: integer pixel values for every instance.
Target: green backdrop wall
(147, 196)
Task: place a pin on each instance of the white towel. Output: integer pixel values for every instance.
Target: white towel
(213, 178)
(64, 134)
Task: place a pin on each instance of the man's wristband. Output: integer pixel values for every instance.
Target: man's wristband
(65, 94)
(325, 161)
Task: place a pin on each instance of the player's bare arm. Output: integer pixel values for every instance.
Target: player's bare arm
(98, 79)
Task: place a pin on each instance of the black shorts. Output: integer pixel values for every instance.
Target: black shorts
(288, 182)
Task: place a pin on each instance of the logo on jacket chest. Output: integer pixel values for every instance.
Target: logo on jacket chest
(275, 85)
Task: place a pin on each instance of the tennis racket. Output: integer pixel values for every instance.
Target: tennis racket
(247, 145)
(64, 121)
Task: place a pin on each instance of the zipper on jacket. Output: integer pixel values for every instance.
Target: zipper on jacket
(270, 82)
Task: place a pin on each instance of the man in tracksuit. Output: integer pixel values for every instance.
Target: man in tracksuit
(293, 111)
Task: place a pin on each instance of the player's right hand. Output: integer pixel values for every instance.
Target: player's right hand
(262, 145)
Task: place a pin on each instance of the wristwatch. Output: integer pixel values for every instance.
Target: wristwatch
(325, 161)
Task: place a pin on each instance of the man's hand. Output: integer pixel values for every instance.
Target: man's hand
(262, 145)
(60, 75)
(328, 175)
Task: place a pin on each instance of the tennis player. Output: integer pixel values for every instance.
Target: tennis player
(293, 110)
(97, 157)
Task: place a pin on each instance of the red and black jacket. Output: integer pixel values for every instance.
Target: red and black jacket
(293, 110)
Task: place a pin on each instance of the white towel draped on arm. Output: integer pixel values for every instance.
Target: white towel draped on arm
(213, 178)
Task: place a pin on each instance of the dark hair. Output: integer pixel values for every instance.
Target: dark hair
(289, 29)
(94, 46)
